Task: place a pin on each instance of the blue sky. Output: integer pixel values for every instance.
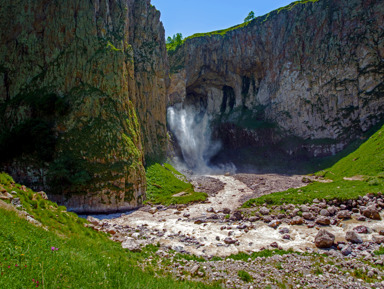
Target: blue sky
(193, 16)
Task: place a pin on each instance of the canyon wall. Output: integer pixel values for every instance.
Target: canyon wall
(306, 79)
(82, 98)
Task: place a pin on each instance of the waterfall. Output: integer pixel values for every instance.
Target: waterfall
(193, 133)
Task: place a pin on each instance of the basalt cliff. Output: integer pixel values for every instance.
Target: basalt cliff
(82, 98)
(302, 81)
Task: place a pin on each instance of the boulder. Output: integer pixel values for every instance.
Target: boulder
(195, 270)
(152, 210)
(6, 196)
(264, 211)
(226, 211)
(353, 237)
(362, 229)
(324, 239)
(93, 220)
(274, 224)
(229, 241)
(16, 202)
(308, 216)
(284, 231)
(304, 208)
(324, 221)
(43, 195)
(131, 245)
(378, 239)
(297, 221)
(370, 212)
(347, 250)
(344, 214)
(198, 222)
(325, 213)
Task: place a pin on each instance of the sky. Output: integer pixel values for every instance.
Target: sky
(199, 16)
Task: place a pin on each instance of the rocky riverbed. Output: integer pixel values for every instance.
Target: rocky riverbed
(347, 233)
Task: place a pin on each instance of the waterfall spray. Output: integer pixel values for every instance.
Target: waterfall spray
(193, 133)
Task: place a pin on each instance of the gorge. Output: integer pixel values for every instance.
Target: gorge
(92, 81)
(249, 157)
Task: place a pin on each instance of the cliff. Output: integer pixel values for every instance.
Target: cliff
(305, 80)
(82, 98)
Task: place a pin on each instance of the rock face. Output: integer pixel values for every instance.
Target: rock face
(324, 239)
(306, 80)
(82, 98)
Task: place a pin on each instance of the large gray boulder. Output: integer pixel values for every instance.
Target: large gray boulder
(324, 239)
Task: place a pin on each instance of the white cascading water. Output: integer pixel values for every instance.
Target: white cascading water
(193, 135)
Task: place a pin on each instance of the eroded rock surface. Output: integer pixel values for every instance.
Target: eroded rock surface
(83, 84)
(305, 80)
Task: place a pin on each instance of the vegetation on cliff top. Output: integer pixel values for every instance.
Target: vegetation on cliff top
(164, 182)
(63, 253)
(357, 174)
(259, 19)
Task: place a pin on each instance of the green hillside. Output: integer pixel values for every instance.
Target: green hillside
(62, 253)
(359, 173)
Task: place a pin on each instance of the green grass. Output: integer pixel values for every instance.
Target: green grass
(265, 253)
(244, 275)
(260, 19)
(84, 259)
(366, 161)
(164, 182)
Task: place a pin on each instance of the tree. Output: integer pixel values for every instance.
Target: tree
(174, 41)
(250, 17)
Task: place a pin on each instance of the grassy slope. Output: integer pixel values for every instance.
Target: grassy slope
(84, 259)
(367, 161)
(164, 182)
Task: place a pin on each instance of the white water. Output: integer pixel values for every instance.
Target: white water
(193, 133)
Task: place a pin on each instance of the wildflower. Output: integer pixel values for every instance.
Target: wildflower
(16, 265)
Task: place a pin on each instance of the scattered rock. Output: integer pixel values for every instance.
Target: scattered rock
(322, 220)
(43, 195)
(16, 202)
(284, 231)
(353, 237)
(264, 211)
(194, 270)
(370, 212)
(198, 222)
(229, 241)
(33, 221)
(297, 221)
(274, 224)
(378, 239)
(361, 229)
(347, 250)
(287, 237)
(6, 196)
(324, 239)
(131, 245)
(308, 216)
(153, 210)
(93, 220)
(344, 214)
(325, 213)
(226, 211)
(186, 215)
(274, 245)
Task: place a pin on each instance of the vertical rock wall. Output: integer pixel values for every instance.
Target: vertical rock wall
(79, 81)
(306, 77)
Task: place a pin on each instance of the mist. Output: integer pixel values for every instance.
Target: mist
(193, 133)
